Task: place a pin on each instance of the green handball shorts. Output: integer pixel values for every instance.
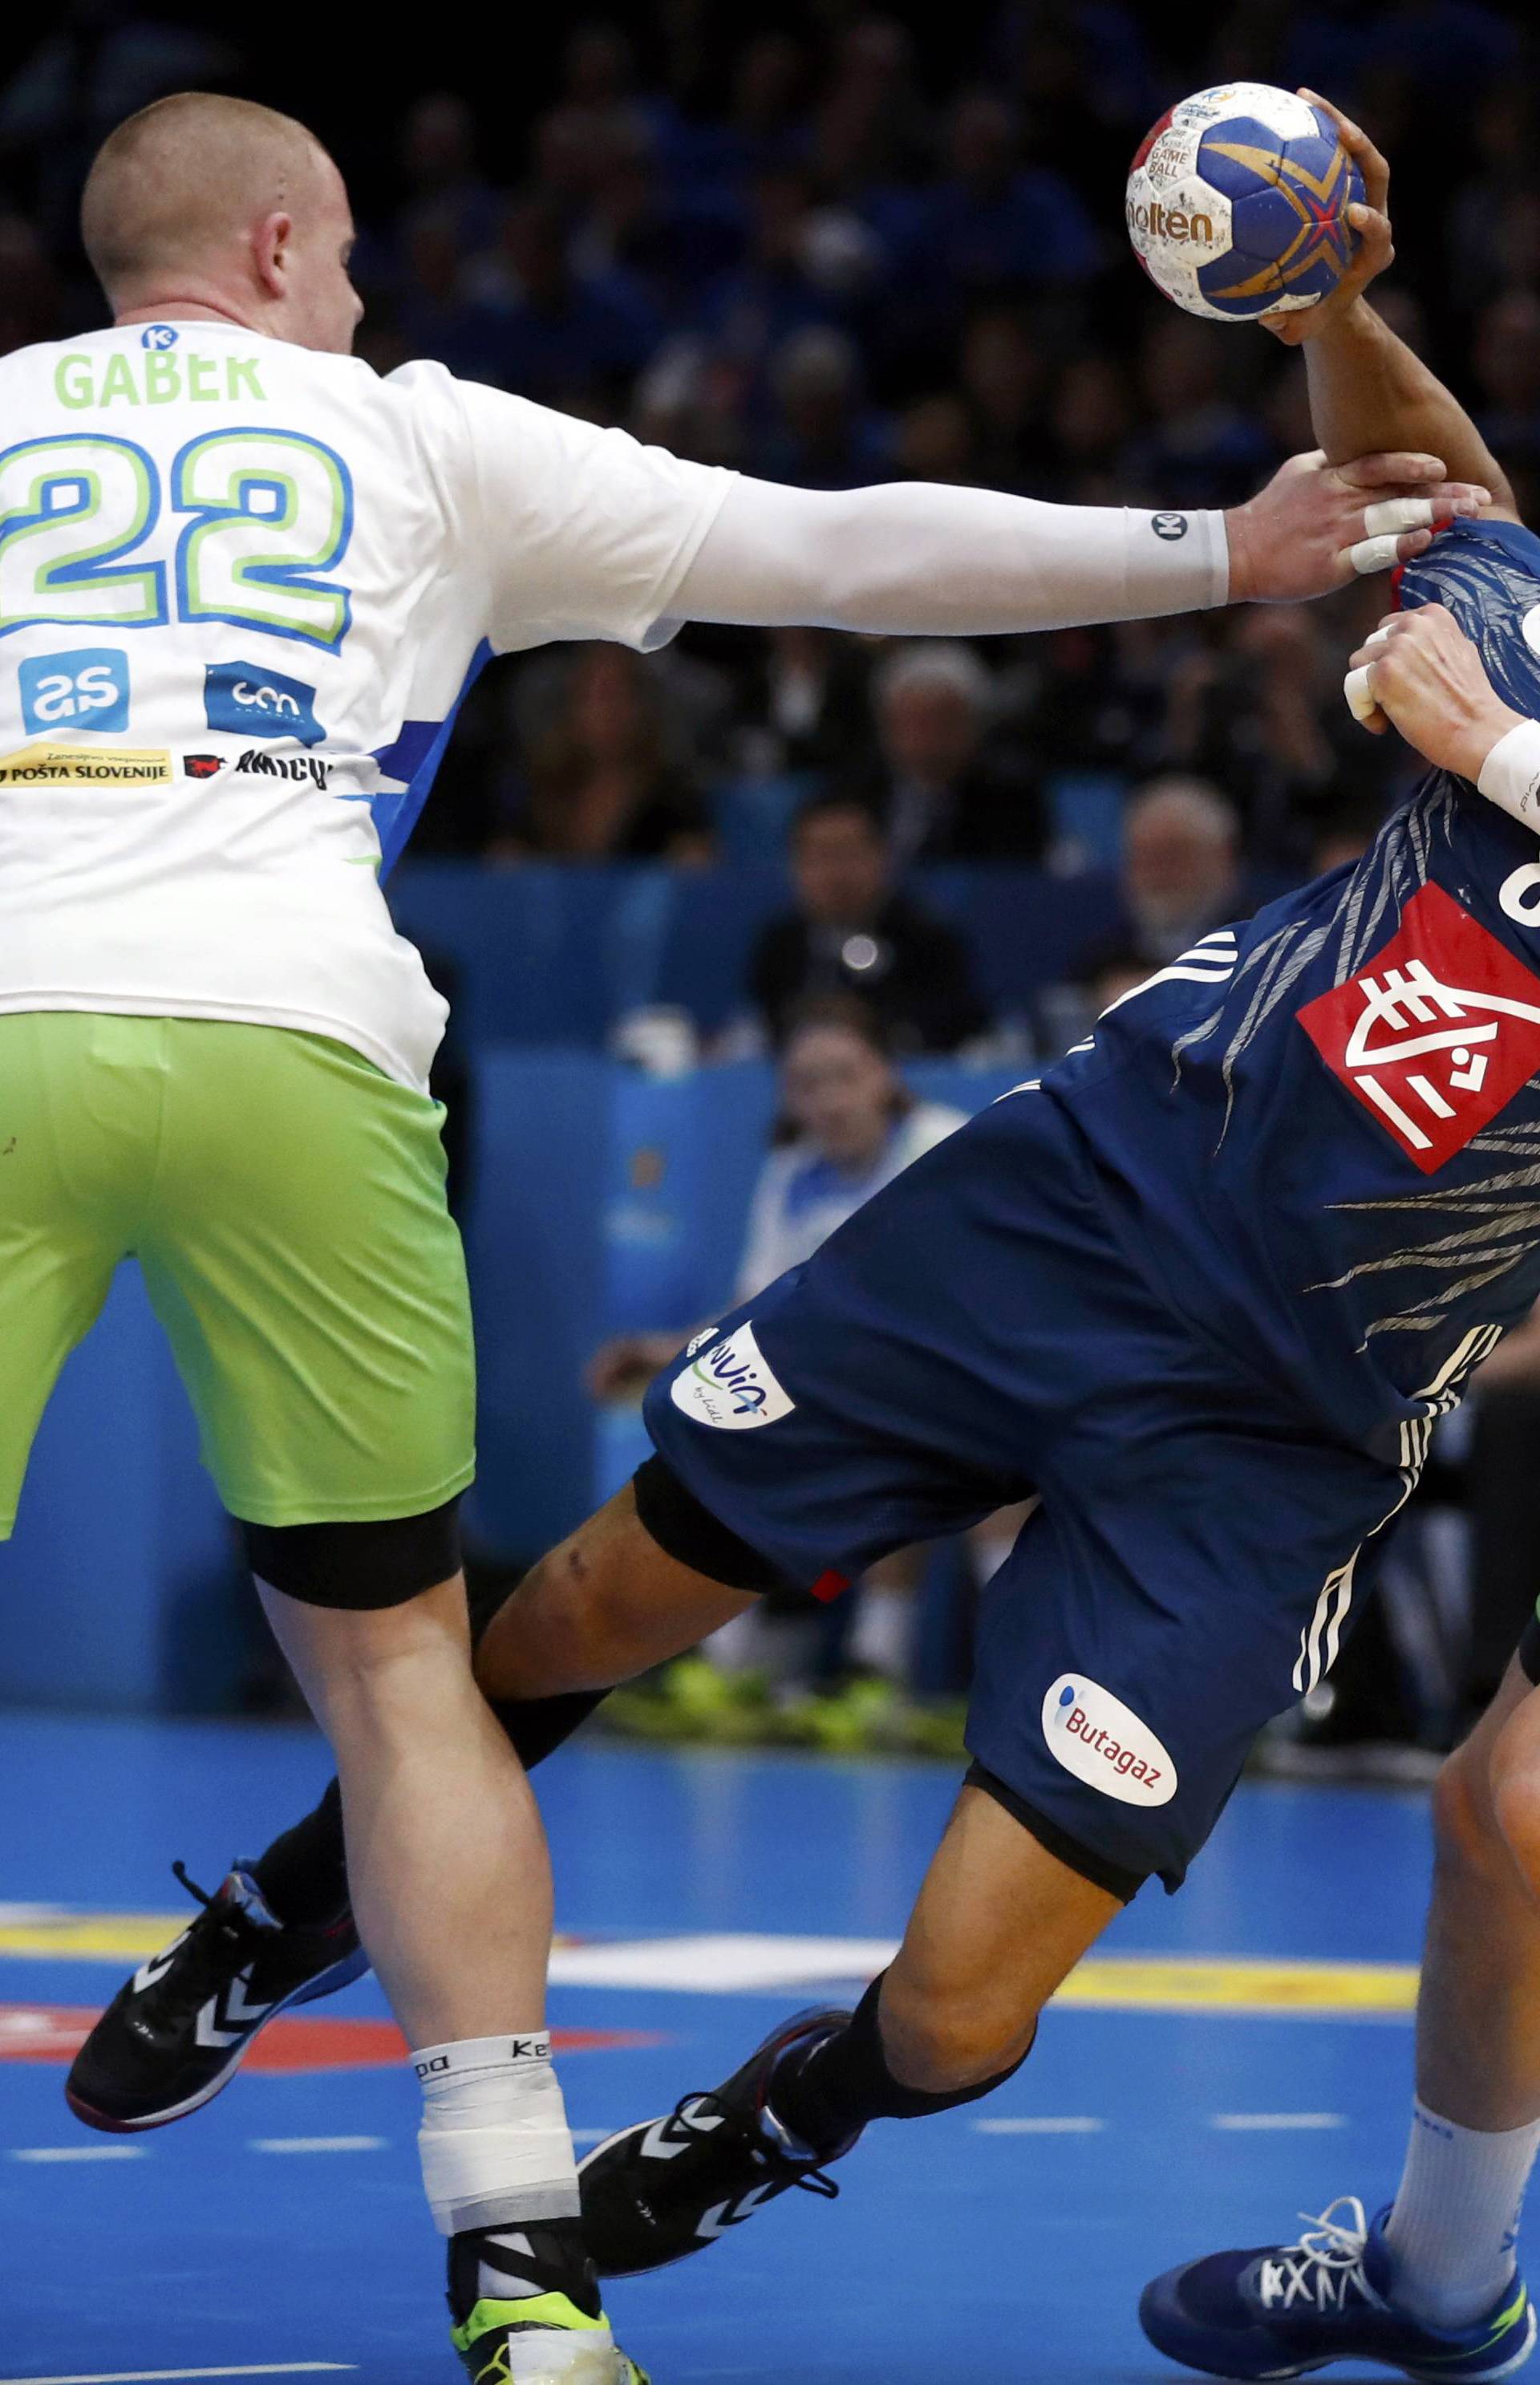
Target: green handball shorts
(285, 1202)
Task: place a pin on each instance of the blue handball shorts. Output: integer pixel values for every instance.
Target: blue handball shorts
(975, 1335)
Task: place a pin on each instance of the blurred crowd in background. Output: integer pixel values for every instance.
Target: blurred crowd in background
(836, 243)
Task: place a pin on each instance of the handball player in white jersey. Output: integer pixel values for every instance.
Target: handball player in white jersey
(242, 583)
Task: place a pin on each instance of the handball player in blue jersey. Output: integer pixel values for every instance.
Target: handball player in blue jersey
(1201, 1293)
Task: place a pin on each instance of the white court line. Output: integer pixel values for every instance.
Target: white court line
(1077, 2125)
(313, 2145)
(74, 2153)
(1278, 2121)
(167, 2376)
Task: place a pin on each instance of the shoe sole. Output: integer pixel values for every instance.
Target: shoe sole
(1423, 2376)
(325, 1983)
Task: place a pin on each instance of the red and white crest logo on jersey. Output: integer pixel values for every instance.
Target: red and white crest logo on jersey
(1436, 1033)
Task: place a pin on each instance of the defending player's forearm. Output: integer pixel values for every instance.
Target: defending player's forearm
(912, 560)
(1370, 393)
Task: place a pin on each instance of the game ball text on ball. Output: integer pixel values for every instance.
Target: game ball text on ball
(1238, 203)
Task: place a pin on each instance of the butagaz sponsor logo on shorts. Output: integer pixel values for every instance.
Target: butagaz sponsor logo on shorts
(255, 763)
(1103, 1743)
(67, 765)
(728, 1385)
(1157, 222)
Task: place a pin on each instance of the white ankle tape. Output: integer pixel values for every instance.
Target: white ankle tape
(494, 2141)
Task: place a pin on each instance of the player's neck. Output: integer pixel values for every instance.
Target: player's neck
(181, 310)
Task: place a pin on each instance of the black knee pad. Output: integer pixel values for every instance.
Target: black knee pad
(363, 1566)
(692, 1535)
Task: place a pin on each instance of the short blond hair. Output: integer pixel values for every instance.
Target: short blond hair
(174, 188)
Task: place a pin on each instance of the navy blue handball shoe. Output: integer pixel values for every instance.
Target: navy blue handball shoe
(1281, 2309)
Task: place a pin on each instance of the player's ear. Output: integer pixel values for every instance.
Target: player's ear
(271, 243)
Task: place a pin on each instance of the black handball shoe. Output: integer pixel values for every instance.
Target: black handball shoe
(178, 2029)
(673, 2186)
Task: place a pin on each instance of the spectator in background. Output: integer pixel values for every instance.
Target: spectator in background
(824, 436)
(803, 704)
(848, 1125)
(852, 932)
(600, 784)
(1198, 448)
(563, 338)
(944, 788)
(1181, 874)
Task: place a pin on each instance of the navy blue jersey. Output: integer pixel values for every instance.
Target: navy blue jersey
(1320, 1130)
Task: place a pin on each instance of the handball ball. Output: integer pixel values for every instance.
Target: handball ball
(1238, 200)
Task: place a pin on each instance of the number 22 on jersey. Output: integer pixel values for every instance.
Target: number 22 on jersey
(268, 513)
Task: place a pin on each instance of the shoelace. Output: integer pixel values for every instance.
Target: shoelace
(688, 2114)
(1324, 2266)
(202, 1959)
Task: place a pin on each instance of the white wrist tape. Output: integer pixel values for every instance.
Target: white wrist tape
(1511, 774)
(495, 2146)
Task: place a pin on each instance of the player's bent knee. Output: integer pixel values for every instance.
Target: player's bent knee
(1467, 1830)
(1515, 1796)
(956, 2044)
(362, 1568)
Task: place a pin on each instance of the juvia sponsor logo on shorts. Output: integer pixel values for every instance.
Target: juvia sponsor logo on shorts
(304, 768)
(728, 1385)
(65, 766)
(1103, 1743)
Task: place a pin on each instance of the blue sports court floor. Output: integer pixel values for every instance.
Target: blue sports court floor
(1237, 2053)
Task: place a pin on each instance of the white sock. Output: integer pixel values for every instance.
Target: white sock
(1452, 2226)
(496, 2149)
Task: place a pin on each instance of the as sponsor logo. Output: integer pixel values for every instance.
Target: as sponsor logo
(301, 768)
(88, 686)
(1103, 1743)
(1435, 1033)
(730, 1386)
(67, 765)
(247, 701)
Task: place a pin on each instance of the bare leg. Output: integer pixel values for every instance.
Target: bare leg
(604, 1607)
(998, 1924)
(446, 1855)
(1478, 2013)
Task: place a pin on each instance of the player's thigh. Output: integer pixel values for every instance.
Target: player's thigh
(73, 1133)
(607, 1604)
(1174, 1591)
(303, 1260)
(904, 1383)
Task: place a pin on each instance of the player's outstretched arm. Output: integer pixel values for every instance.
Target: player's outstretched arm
(1367, 389)
(913, 560)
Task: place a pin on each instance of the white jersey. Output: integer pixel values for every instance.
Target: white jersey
(242, 589)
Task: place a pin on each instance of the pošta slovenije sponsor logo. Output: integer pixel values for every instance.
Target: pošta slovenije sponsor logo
(67, 766)
(1103, 1743)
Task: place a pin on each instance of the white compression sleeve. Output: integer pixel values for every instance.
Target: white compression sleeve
(918, 559)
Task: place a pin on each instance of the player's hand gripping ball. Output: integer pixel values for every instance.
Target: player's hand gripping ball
(1238, 200)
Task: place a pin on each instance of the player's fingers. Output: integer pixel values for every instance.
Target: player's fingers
(1407, 466)
(1357, 687)
(1374, 167)
(1372, 554)
(1398, 514)
(1414, 542)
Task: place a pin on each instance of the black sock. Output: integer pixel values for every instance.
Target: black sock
(514, 2263)
(304, 1875)
(826, 2092)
